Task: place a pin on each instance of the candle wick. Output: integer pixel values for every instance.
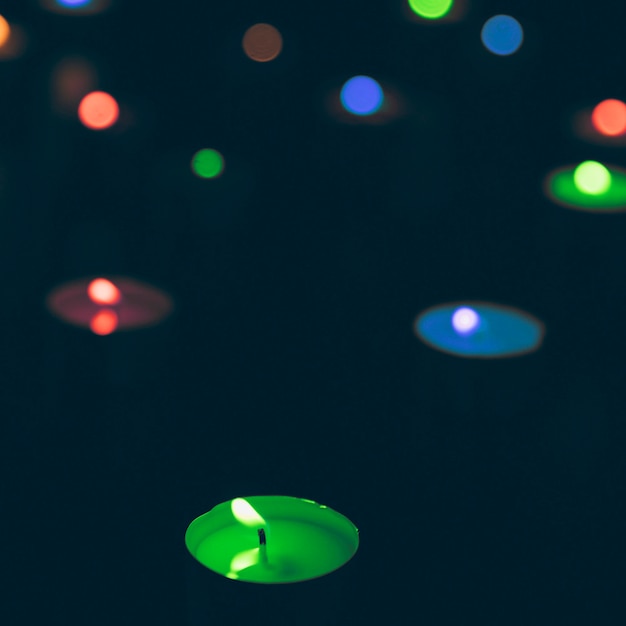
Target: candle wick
(263, 548)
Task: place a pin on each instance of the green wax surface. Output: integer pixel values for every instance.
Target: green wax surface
(304, 540)
(561, 188)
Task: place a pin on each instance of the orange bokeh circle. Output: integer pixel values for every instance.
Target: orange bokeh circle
(262, 42)
(98, 110)
(5, 31)
(104, 322)
(609, 117)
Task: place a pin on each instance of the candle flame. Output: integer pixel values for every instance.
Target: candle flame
(245, 513)
(243, 560)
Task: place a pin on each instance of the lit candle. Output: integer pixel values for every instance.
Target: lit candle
(272, 539)
(108, 304)
(588, 186)
(479, 330)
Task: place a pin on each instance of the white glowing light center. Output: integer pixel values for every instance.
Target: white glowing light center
(245, 513)
(465, 320)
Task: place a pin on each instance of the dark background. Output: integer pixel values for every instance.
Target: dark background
(485, 492)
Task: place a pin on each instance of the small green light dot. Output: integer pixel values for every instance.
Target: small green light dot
(431, 9)
(592, 178)
(207, 163)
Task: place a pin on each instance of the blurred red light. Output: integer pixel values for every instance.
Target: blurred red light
(104, 322)
(103, 291)
(609, 117)
(137, 304)
(98, 110)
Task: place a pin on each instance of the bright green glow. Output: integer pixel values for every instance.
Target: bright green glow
(245, 513)
(431, 9)
(592, 177)
(243, 560)
(561, 188)
(207, 163)
(304, 540)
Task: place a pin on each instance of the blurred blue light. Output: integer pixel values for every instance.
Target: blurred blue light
(74, 3)
(502, 34)
(498, 331)
(361, 95)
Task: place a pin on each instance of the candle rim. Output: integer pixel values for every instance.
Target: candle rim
(274, 508)
(221, 513)
(489, 312)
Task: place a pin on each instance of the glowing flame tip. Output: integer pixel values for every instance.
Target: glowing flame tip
(245, 513)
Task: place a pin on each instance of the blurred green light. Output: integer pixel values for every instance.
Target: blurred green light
(207, 163)
(562, 188)
(304, 540)
(431, 9)
(592, 177)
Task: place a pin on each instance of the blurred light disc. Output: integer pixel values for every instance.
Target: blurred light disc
(502, 35)
(561, 187)
(362, 95)
(139, 305)
(609, 117)
(496, 331)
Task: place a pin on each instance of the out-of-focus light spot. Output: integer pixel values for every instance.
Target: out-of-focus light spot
(502, 35)
(361, 95)
(262, 43)
(592, 177)
(599, 125)
(609, 117)
(431, 9)
(465, 321)
(141, 305)
(76, 7)
(73, 3)
(432, 12)
(5, 31)
(15, 45)
(505, 331)
(104, 322)
(71, 80)
(207, 163)
(103, 291)
(560, 186)
(386, 104)
(98, 110)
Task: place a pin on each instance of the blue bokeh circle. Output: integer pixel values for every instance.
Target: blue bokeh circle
(361, 95)
(502, 35)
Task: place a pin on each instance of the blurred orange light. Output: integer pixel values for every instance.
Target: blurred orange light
(609, 117)
(72, 79)
(262, 43)
(15, 44)
(104, 322)
(98, 110)
(5, 31)
(103, 291)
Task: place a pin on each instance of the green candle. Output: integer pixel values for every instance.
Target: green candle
(272, 539)
(590, 186)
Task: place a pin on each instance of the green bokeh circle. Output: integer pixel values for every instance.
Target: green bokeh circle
(592, 178)
(431, 9)
(207, 163)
